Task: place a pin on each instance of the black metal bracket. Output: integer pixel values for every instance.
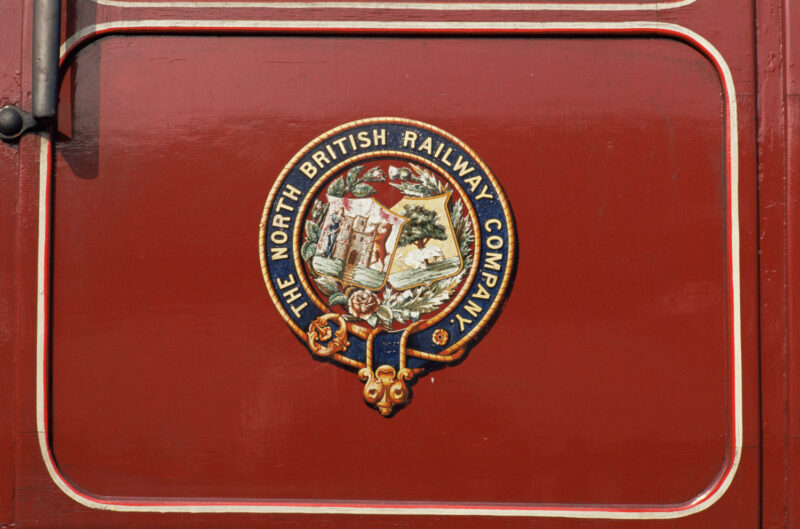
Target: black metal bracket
(14, 122)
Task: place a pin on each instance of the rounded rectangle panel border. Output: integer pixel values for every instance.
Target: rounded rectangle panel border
(690, 506)
(403, 6)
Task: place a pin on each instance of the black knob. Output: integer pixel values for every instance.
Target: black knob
(11, 121)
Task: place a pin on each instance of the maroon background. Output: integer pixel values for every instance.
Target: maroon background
(754, 38)
(603, 382)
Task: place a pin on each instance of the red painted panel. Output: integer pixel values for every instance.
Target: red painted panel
(606, 378)
(792, 75)
(173, 376)
(774, 274)
(10, 94)
(622, 5)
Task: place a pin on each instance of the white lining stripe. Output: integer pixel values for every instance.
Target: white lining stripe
(431, 6)
(698, 504)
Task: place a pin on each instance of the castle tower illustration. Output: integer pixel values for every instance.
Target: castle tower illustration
(357, 242)
(354, 243)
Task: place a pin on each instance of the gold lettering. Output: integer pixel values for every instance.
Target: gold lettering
(426, 145)
(493, 261)
(483, 193)
(482, 293)
(473, 308)
(340, 143)
(444, 158)
(491, 222)
(281, 221)
(494, 242)
(309, 170)
(280, 205)
(473, 182)
(296, 310)
(330, 151)
(320, 158)
(491, 279)
(289, 281)
(276, 254)
(291, 192)
(409, 139)
(292, 295)
(463, 168)
(462, 322)
(278, 237)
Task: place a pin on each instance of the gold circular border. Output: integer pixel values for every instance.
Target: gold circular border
(499, 298)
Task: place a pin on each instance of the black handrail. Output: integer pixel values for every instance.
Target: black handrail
(46, 40)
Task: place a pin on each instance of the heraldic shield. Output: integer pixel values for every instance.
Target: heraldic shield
(388, 246)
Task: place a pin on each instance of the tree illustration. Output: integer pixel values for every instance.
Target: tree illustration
(421, 226)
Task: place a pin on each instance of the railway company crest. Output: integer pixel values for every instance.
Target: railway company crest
(388, 247)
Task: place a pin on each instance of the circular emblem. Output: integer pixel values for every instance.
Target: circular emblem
(388, 246)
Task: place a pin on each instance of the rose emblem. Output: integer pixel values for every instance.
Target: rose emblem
(440, 336)
(362, 304)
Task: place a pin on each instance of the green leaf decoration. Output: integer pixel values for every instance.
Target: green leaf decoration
(409, 304)
(385, 316)
(399, 173)
(308, 250)
(313, 231)
(352, 176)
(462, 227)
(337, 299)
(337, 188)
(372, 320)
(374, 174)
(420, 172)
(327, 285)
(318, 211)
(420, 183)
(412, 190)
(363, 190)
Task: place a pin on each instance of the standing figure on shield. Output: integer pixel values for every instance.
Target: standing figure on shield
(333, 232)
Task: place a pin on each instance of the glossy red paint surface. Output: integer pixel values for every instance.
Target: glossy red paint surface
(791, 48)
(606, 380)
(182, 309)
(9, 165)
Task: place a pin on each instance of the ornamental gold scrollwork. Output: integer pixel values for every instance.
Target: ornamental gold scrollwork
(321, 330)
(385, 388)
